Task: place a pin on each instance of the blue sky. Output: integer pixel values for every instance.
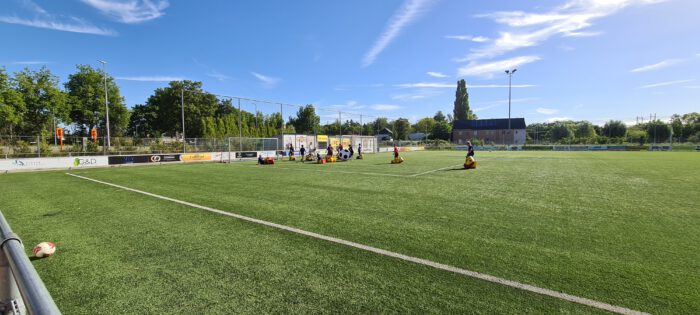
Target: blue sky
(576, 59)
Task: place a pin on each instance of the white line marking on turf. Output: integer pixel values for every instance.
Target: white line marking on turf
(420, 261)
(433, 171)
(334, 171)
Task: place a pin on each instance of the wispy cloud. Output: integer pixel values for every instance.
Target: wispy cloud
(527, 29)
(151, 78)
(475, 68)
(692, 86)
(546, 111)
(75, 25)
(267, 81)
(130, 11)
(481, 106)
(476, 39)
(217, 75)
(436, 74)
(31, 62)
(407, 13)
(349, 105)
(666, 83)
(657, 66)
(454, 85)
(385, 107)
(43, 19)
(555, 119)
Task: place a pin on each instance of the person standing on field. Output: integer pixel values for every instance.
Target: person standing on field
(302, 152)
(396, 152)
(470, 149)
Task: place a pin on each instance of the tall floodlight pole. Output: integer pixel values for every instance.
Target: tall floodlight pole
(182, 105)
(510, 73)
(106, 101)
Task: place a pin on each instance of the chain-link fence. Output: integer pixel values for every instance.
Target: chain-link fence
(36, 146)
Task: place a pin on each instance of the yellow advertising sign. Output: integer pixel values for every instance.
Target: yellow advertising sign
(322, 138)
(196, 157)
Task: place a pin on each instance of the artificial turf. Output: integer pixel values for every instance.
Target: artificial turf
(617, 227)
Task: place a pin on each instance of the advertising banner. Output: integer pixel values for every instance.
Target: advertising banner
(251, 154)
(52, 163)
(196, 157)
(135, 159)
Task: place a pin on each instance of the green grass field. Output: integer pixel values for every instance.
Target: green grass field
(617, 227)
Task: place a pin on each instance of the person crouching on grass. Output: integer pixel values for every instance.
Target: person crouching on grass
(470, 149)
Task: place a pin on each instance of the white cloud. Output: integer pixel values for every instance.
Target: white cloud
(555, 119)
(526, 29)
(349, 105)
(657, 66)
(75, 25)
(436, 74)
(454, 85)
(546, 111)
(481, 106)
(409, 11)
(407, 97)
(217, 75)
(130, 11)
(666, 83)
(151, 78)
(476, 39)
(266, 80)
(474, 68)
(31, 62)
(385, 107)
(692, 86)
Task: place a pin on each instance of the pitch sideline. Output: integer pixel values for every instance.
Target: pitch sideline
(416, 260)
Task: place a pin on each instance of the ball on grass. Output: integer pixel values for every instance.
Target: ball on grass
(44, 249)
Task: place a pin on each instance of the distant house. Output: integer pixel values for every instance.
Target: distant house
(417, 136)
(489, 131)
(385, 135)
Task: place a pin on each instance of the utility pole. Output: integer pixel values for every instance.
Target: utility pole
(182, 103)
(510, 73)
(106, 102)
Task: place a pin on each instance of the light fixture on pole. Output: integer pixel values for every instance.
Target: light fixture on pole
(106, 101)
(509, 73)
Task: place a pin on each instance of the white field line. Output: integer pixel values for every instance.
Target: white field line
(420, 261)
(333, 171)
(433, 171)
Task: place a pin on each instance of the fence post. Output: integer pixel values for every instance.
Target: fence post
(229, 150)
(38, 145)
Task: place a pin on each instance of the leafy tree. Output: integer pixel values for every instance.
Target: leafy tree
(560, 131)
(584, 130)
(43, 101)
(442, 130)
(424, 125)
(12, 106)
(379, 124)
(306, 121)
(461, 109)
(166, 103)
(677, 127)
(637, 134)
(86, 96)
(439, 116)
(141, 122)
(658, 131)
(401, 129)
(614, 129)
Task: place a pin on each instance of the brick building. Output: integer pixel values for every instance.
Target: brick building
(489, 131)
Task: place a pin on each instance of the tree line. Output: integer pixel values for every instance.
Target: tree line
(681, 128)
(32, 102)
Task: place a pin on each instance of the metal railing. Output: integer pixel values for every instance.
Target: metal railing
(34, 146)
(21, 288)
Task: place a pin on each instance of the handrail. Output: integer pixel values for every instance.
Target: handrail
(36, 297)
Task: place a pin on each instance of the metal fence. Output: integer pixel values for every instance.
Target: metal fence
(21, 288)
(35, 146)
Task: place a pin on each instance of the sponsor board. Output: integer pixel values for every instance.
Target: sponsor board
(52, 163)
(251, 154)
(135, 159)
(195, 157)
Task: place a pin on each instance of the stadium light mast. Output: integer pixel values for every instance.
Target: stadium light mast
(510, 73)
(106, 101)
(182, 105)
